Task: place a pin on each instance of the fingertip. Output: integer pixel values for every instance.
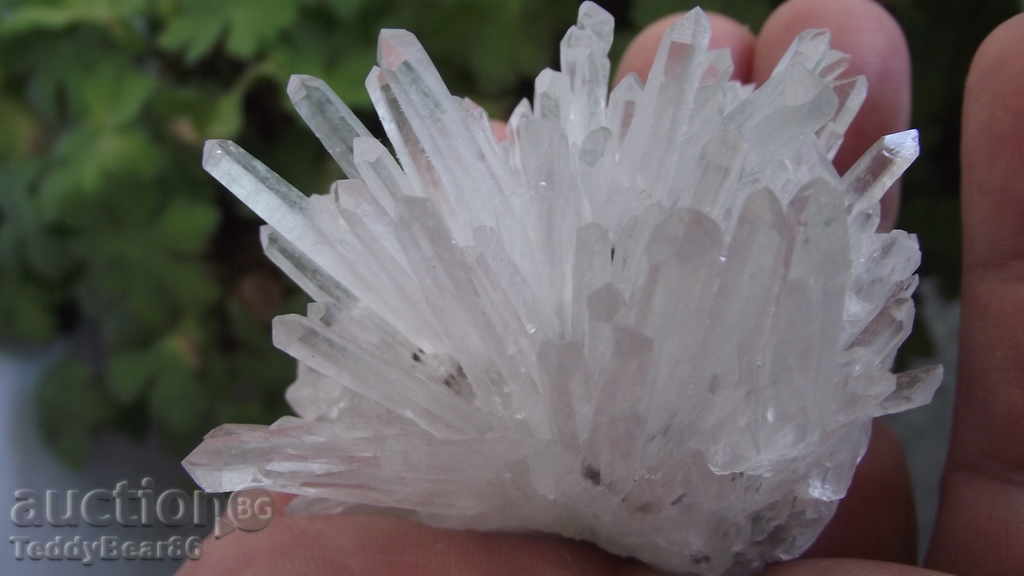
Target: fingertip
(846, 567)
(979, 528)
(862, 28)
(731, 34)
(873, 38)
(999, 49)
(993, 121)
(994, 85)
(725, 33)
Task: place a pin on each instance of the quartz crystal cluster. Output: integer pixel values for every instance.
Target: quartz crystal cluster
(656, 319)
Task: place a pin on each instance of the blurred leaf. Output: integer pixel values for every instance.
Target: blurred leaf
(244, 327)
(177, 402)
(57, 15)
(225, 118)
(187, 224)
(114, 94)
(312, 47)
(253, 23)
(25, 311)
(196, 25)
(71, 407)
(17, 217)
(346, 9)
(46, 256)
(263, 368)
(19, 130)
(161, 289)
(86, 162)
(192, 32)
(54, 65)
(348, 77)
(534, 29)
(129, 373)
(190, 284)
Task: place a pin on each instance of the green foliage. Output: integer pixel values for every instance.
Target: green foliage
(70, 409)
(111, 235)
(194, 26)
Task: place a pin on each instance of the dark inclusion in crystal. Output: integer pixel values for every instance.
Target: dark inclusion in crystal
(458, 382)
(700, 559)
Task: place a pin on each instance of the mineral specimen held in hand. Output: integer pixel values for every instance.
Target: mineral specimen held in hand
(655, 319)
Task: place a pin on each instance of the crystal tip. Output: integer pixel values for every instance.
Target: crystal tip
(298, 84)
(394, 46)
(591, 12)
(693, 28)
(903, 144)
(213, 152)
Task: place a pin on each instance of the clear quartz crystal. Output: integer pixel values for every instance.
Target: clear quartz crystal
(654, 318)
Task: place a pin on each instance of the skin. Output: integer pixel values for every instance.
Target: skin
(981, 520)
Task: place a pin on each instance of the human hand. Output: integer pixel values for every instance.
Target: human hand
(981, 521)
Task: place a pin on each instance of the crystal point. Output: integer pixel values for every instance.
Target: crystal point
(334, 124)
(656, 319)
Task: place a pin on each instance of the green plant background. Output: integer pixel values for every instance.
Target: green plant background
(114, 241)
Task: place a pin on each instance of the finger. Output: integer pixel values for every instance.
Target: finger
(865, 31)
(725, 33)
(388, 546)
(981, 518)
(844, 567)
(881, 483)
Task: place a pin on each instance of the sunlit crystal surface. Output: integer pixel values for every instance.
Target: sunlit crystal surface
(656, 319)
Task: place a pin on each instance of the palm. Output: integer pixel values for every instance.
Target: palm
(981, 520)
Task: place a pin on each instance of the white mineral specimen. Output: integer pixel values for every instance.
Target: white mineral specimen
(657, 320)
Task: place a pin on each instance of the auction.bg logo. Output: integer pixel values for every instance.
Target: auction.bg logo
(125, 508)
